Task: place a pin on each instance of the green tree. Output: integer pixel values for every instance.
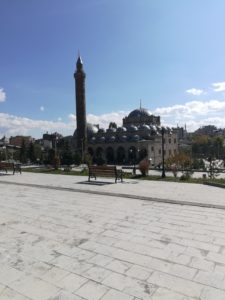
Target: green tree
(23, 152)
(31, 152)
(77, 158)
(66, 154)
(38, 153)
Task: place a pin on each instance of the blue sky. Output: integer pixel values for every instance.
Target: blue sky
(170, 54)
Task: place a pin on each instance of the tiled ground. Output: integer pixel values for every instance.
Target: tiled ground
(60, 245)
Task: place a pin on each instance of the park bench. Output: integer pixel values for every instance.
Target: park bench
(10, 166)
(105, 171)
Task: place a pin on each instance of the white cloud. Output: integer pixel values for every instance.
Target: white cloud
(104, 119)
(72, 117)
(42, 108)
(219, 86)
(193, 113)
(2, 95)
(13, 125)
(59, 119)
(194, 91)
(192, 108)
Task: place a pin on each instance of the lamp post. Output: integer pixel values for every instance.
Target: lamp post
(163, 158)
(82, 150)
(6, 156)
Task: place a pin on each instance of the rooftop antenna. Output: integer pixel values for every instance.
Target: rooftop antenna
(78, 53)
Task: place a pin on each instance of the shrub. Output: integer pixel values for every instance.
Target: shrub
(144, 166)
(56, 162)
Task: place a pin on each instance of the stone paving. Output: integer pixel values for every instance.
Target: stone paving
(65, 245)
(169, 191)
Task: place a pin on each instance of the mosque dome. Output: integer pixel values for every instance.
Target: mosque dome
(135, 138)
(121, 129)
(138, 113)
(91, 129)
(144, 127)
(93, 140)
(123, 138)
(112, 139)
(111, 129)
(101, 130)
(101, 139)
(133, 128)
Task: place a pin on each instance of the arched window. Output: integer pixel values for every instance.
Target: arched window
(132, 155)
(110, 155)
(121, 155)
(143, 153)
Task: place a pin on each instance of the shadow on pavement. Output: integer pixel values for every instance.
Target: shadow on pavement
(100, 183)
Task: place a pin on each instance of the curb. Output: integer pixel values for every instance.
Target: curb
(219, 185)
(169, 201)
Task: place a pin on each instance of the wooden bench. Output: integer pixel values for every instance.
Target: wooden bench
(10, 166)
(105, 171)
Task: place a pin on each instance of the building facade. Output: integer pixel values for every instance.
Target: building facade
(19, 139)
(140, 135)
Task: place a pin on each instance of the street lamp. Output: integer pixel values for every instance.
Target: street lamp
(163, 158)
(6, 156)
(56, 139)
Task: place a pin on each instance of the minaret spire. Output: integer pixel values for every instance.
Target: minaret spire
(140, 103)
(81, 138)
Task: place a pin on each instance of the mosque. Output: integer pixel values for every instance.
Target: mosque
(140, 136)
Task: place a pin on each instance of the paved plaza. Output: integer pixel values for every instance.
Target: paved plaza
(60, 240)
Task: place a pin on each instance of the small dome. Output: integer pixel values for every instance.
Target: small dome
(112, 139)
(111, 129)
(101, 139)
(144, 127)
(121, 129)
(93, 140)
(138, 113)
(133, 128)
(148, 136)
(91, 129)
(123, 138)
(135, 138)
(101, 130)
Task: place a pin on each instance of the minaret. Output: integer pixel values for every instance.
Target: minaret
(79, 76)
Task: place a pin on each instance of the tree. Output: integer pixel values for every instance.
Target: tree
(77, 158)
(38, 153)
(23, 152)
(49, 156)
(180, 161)
(66, 154)
(55, 162)
(204, 146)
(31, 152)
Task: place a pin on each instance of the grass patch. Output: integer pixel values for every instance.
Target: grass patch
(56, 172)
